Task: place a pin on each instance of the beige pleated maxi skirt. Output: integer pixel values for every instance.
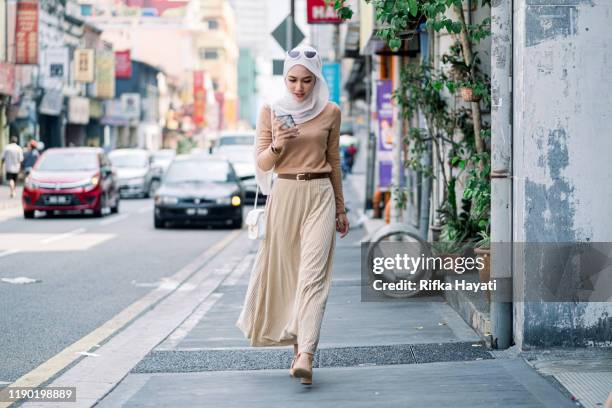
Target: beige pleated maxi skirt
(291, 276)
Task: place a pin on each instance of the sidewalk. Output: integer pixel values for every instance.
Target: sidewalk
(9, 207)
(415, 352)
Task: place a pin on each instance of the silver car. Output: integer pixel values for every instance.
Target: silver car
(134, 172)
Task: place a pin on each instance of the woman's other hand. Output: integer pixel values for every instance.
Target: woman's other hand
(281, 135)
(342, 225)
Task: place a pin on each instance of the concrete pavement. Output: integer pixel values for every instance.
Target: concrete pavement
(415, 352)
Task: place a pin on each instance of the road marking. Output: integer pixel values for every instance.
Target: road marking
(44, 372)
(184, 329)
(144, 210)
(8, 252)
(21, 280)
(113, 220)
(238, 273)
(65, 235)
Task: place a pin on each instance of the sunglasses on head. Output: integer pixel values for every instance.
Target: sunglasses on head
(296, 54)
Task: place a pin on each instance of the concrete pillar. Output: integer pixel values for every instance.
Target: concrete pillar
(562, 150)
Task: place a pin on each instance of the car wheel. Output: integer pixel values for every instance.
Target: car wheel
(159, 223)
(28, 214)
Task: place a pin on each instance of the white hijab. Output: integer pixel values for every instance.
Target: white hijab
(301, 111)
(316, 101)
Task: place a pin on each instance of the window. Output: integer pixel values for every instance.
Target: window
(209, 54)
(213, 24)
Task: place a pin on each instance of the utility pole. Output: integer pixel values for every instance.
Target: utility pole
(289, 28)
(396, 178)
(501, 170)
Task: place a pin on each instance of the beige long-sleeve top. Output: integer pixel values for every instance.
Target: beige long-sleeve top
(315, 150)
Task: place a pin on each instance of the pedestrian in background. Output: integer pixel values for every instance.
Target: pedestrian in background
(30, 157)
(12, 156)
(351, 150)
(291, 277)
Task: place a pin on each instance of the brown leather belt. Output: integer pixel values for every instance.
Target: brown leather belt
(303, 176)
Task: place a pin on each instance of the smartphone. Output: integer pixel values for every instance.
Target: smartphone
(287, 121)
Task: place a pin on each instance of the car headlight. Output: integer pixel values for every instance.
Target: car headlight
(166, 200)
(236, 201)
(94, 181)
(223, 201)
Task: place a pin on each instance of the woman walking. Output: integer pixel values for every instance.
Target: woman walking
(291, 277)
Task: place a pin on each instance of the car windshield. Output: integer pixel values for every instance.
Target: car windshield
(237, 140)
(194, 171)
(135, 159)
(72, 161)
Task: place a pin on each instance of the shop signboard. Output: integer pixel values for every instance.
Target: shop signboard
(105, 75)
(123, 64)
(131, 105)
(52, 102)
(78, 110)
(7, 78)
(55, 68)
(113, 113)
(84, 65)
(322, 12)
(384, 110)
(26, 32)
(331, 73)
(199, 99)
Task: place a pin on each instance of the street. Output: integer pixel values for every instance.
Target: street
(89, 269)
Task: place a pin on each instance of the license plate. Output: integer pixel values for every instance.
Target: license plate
(196, 211)
(58, 199)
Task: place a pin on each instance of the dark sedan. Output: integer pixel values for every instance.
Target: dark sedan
(199, 189)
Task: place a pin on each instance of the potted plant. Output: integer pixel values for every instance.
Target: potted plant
(471, 91)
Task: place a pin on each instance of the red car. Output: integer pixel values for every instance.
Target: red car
(71, 179)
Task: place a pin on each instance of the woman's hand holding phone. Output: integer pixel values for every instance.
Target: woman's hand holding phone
(283, 134)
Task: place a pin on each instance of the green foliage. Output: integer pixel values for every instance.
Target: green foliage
(484, 241)
(421, 89)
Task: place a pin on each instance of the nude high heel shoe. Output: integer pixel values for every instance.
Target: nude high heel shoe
(295, 354)
(302, 368)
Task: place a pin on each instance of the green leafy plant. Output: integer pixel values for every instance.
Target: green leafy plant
(485, 240)
(458, 135)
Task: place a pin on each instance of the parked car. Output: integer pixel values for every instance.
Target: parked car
(199, 189)
(160, 160)
(71, 179)
(133, 167)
